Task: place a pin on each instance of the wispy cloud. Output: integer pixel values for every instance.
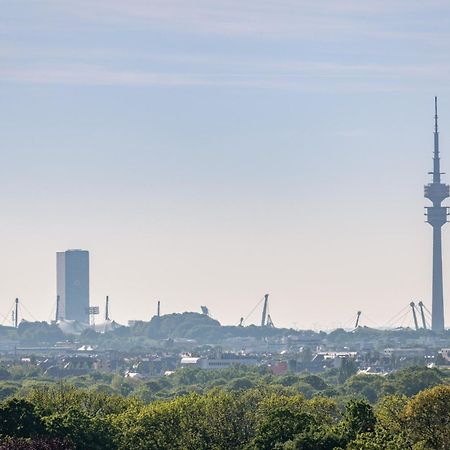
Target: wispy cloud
(103, 59)
(356, 64)
(313, 19)
(285, 75)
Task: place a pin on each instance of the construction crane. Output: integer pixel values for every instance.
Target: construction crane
(413, 308)
(422, 313)
(358, 315)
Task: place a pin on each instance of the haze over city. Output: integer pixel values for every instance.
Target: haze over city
(206, 153)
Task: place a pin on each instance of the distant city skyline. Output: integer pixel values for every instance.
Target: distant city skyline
(206, 153)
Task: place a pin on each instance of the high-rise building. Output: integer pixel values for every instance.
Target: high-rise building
(72, 285)
(437, 192)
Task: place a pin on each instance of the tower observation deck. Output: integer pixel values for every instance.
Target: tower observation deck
(437, 214)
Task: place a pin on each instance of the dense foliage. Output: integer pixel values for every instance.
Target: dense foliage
(63, 417)
(341, 384)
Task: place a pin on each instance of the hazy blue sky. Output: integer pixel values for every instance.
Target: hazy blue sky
(209, 151)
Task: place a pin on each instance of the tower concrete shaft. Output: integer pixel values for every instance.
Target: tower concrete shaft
(436, 192)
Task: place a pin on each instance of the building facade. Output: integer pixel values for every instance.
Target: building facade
(72, 285)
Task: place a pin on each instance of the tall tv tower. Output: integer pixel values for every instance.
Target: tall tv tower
(437, 217)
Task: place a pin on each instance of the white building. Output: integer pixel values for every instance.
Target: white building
(219, 363)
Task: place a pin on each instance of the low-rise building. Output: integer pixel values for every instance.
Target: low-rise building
(225, 362)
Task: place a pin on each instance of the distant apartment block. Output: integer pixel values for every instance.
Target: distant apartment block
(72, 285)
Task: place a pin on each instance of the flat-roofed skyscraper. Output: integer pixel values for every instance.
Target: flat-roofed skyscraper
(72, 285)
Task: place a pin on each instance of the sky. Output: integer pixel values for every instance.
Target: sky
(209, 152)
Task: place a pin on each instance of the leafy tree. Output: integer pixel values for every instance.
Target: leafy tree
(22, 371)
(412, 380)
(358, 418)
(80, 429)
(367, 386)
(18, 418)
(8, 389)
(241, 384)
(121, 385)
(281, 425)
(289, 380)
(214, 421)
(33, 332)
(102, 388)
(153, 427)
(315, 381)
(306, 389)
(324, 410)
(35, 444)
(56, 398)
(229, 419)
(379, 440)
(390, 412)
(317, 438)
(279, 419)
(428, 418)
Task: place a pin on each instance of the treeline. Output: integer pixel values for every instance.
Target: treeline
(340, 383)
(187, 325)
(63, 417)
(199, 328)
(204, 329)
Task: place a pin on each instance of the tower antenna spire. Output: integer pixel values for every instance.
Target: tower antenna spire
(437, 192)
(436, 158)
(435, 115)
